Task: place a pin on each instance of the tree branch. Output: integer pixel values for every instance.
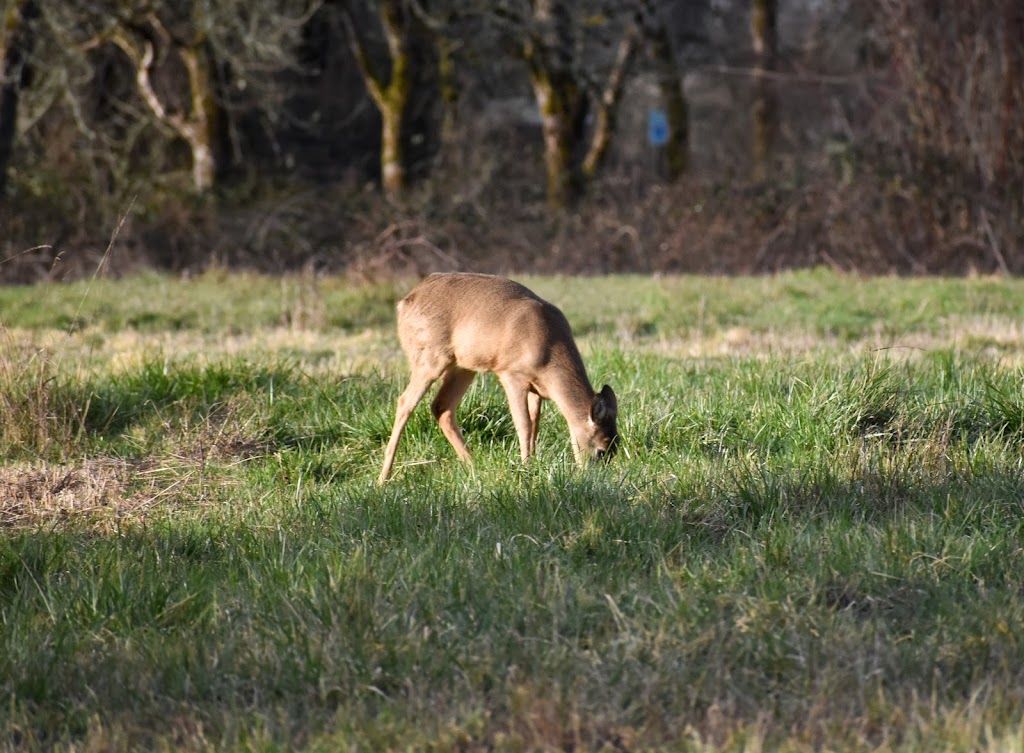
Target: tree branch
(608, 105)
(374, 85)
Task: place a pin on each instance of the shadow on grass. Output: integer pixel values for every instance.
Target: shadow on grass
(650, 606)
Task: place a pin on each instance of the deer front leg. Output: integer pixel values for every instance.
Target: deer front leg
(418, 386)
(518, 392)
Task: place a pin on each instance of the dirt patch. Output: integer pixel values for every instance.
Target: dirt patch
(99, 489)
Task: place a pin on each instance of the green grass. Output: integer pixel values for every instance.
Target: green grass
(813, 539)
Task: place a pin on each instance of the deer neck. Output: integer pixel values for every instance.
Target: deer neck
(570, 389)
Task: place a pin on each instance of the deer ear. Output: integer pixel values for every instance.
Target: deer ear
(605, 405)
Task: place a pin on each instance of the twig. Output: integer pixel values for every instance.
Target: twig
(993, 243)
(811, 78)
(103, 263)
(25, 251)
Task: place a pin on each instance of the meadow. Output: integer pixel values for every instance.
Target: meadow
(812, 538)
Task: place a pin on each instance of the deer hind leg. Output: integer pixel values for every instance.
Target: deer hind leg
(453, 387)
(419, 383)
(518, 402)
(533, 404)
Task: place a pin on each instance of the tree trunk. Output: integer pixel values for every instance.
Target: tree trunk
(548, 52)
(608, 108)
(673, 98)
(392, 152)
(201, 130)
(16, 44)
(1013, 38)
(677, 112)
(389, 93)
(197, 127)
(764, 36)
(556, 106)
(448, 87)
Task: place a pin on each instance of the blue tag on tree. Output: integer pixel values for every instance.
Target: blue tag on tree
(657, 128)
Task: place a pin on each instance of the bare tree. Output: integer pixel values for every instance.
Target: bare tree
(390, 88)
(610, 94)
(566, 89)
(189, 60)
(442, 22)
(196, 122)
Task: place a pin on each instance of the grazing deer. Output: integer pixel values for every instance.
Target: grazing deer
(454, 325)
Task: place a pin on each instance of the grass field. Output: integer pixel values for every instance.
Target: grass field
(812, 540)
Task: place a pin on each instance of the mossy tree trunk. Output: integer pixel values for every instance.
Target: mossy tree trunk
(765, 111)
(550, 53)
(16, 42)
(389, 91)
(677, 112)
(557, 101)
(200, 129)
(449, 89)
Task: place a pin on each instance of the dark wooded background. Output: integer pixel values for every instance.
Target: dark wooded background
(405, 136)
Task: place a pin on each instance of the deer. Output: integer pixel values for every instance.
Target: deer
(454, 325)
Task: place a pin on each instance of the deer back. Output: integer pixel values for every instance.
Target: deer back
(486, 323)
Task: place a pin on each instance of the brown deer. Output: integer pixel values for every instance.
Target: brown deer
(454, 325)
